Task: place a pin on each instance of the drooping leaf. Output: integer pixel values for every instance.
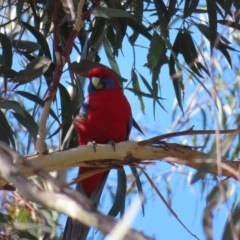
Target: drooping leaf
(6, 129)
(140, 28)
(65, 105)
(110, 56)
(13, 105)
(176, 76)
(6, 50)
(25, 45)
(25, 235)
(137, 15)
(135, 125)
(228, 5)
(40, 39)
(220, 46)
(28, 122)
(189, 52)
(4, 218)
(138, 184)
(189, 7)
(120, 194)
(141, 93)
(136, 87)
(233, 222)
(155, 50)
(33, 70)
(37, 100)
(19, 7)
(229, 23)
(212, 16)
(237, 10)
(120, 27)
(7, 72)
(84, 66)
(110, 13)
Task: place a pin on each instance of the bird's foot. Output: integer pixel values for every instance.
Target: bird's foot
(94, 144)
(113, 144)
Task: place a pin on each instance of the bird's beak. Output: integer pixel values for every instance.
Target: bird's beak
(96, 82)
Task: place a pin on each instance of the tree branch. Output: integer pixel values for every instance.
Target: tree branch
(79, 207)
(126, 153)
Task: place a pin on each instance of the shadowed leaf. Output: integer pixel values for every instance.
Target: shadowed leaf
(33, 70)
(5, 127)
(13, 105)
(37, 100)
(110, 13)
(120, 194)
(136, 89)
(84, 66)
(6, 50)
(40, 39)
(28, 122)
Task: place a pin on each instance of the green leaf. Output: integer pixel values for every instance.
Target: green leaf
(212, 16)
(33, 70)
(138, 16)
(229, 23)
(84, 66)
(228, 232)
(19, 6)
(110, 13)
(40, 39)
(15, 106)
(4, 218)
(37, 100)
(136, 87)
(110, 56)
(140, 93)
(6, 50)
(7, 72)
(189, 52)
(147, 85)
(28, 122)
(138, 184)
(28, 46)
(26, 235)
(177, 85)
(120, 194)
(189, 7)
(65, 106)
(6, 129)
(220, 46)
(135, 125)
(120, 27)
(140, 28)
(155, 50)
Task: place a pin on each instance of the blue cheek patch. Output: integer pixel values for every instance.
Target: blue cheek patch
(107, 83)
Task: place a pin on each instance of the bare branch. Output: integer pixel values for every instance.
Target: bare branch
(126, 153)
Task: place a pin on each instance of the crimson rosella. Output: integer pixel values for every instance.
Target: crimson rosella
(105, 116)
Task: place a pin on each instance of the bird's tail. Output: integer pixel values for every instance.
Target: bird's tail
(75, 230)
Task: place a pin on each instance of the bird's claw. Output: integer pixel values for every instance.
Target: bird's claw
(94, 144)
(113, 145)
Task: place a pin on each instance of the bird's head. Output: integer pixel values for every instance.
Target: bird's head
(101, 79)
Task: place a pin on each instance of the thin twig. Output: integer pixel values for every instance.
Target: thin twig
(190, 131)
(164, 201)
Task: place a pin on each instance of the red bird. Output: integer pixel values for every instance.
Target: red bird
(105, 116)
